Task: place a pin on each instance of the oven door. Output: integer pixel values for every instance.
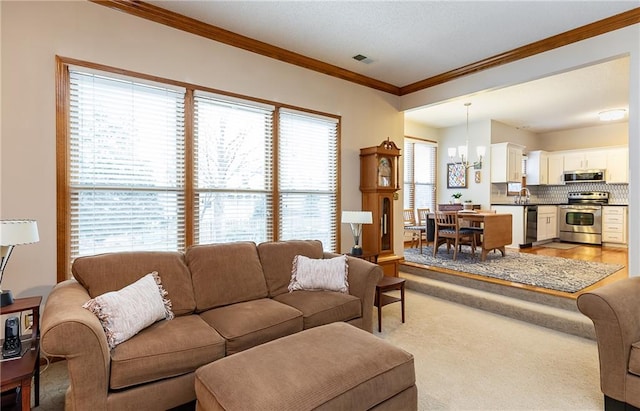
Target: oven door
(581, 219)
(581, 224)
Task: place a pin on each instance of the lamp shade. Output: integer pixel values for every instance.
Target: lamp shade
(16, 232)
(357, 217)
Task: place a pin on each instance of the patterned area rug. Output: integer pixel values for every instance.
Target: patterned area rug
(554, 273)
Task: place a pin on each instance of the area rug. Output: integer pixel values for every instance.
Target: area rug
(560, 246)
(554, 273)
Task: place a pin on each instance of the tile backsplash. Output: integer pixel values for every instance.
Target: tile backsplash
(618, 193)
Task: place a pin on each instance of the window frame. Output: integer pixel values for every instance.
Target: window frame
(63, 159)
(409, 182)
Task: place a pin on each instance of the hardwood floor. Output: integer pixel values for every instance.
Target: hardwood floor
(613, 255)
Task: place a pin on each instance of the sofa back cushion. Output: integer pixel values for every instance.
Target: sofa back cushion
(225, 274)
(277, 261)
(113, 271)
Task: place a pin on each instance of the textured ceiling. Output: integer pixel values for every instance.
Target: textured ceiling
(409, 41)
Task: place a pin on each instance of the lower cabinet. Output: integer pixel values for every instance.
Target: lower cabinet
(614, 224)
(518, 223)
(547, 222)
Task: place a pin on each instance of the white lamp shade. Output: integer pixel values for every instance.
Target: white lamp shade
(16, 232)
(357, 217)
(481, 151)
(463, 151)
(451, 151)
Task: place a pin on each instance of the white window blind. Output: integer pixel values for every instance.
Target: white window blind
(420, 174)
(126, 172)
(308, 177)
(233, 172)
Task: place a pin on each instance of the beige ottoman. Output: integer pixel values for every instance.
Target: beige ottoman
(331, 367)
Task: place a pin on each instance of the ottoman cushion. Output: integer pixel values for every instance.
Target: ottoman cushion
(334, 366)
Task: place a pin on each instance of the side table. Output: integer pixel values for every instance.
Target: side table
(372, 257)
(18, 372)
(388, 283)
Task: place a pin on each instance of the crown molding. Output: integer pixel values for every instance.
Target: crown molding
(197, 27)
(572, 36)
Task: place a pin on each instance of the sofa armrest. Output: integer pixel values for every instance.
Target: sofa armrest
(363, 278)
(72, 332)
(615, 312)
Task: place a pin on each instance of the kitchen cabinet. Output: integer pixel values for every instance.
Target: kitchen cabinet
(614, 224)
(585, 160)
(518, 234)
(555, 162)
(537, 168)
(506, 163)
(617, 165)
(547, 222)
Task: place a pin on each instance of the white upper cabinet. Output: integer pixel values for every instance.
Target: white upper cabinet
(537, 168)
(556, 169)
(585, 160)
(617, 165)
(506, 163)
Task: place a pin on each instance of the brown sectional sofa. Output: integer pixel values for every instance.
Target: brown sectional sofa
(226, 298)
(615, 312)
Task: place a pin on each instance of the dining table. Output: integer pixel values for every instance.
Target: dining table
(496, 229)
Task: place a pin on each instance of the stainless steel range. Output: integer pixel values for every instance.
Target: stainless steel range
(581, 220)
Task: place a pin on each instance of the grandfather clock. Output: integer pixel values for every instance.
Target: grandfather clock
(379, 183)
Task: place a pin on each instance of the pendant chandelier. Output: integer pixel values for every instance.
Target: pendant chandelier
(464, 150)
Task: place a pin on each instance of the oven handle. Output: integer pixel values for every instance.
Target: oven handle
(580, 208)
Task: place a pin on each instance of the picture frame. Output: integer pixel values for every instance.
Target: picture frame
(456, 175)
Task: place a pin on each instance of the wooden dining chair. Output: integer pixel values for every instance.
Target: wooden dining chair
(479, 230)
(410, 225)
(448, 231)
(423, 215)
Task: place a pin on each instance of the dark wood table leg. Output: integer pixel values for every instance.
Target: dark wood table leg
(402, 300)
(379, 304)
(25, 393)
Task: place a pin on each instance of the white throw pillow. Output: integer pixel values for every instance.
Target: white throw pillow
(319, 274)
(126, 312)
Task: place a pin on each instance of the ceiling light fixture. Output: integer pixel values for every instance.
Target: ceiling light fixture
(463, 150)
(611, 115)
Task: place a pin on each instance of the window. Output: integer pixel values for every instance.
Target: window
(126, 169)
(138, 171)
(419, 174)
(233, 171)
(308, 164)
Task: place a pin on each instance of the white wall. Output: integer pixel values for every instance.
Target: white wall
(479, 135)
(33, 33)
(599, 136)
(618, 43)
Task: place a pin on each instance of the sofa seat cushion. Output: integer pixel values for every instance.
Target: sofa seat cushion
(251, 323)
(277, 261)
(333, 367)
(634, 359)
(165, 349)
(323, 307)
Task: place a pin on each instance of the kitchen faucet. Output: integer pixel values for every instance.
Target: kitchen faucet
(527, 194)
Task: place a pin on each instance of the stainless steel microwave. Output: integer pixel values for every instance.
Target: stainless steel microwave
(584, 176)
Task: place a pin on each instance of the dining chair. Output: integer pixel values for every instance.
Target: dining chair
(478, 229)
(448, 231)
(423, 215)
(410, 225)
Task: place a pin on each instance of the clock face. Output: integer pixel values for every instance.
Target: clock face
(384, 172)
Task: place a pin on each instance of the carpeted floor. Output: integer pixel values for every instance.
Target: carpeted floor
(555, 273)
(466, 359)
